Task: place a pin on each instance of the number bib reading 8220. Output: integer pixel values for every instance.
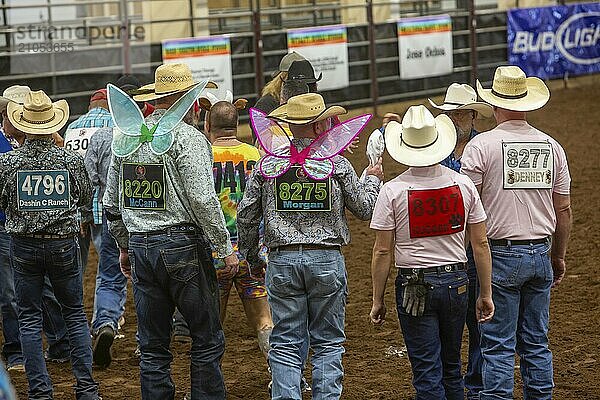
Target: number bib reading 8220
(294, 191)
(527, 165)
(143, 186)
(43, 190)
(435, 212)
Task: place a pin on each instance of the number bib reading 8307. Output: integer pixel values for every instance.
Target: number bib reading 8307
(527, 165)
(143, 186)
(43, 190)
(294, 191)
(435, 212)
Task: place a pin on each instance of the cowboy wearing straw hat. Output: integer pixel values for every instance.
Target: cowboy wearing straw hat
(166, 241)
(306, 277)
(422, 217)
(42, 186)
(523, 178)
(461, 106)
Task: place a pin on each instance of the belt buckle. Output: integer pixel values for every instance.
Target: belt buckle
(448, 268)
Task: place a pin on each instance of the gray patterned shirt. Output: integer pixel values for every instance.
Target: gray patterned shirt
(41, 186)
(189, 191)
(328, 228)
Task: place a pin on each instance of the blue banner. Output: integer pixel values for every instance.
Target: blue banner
(548, 42)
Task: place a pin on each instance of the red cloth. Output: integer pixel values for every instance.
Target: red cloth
(149, 109)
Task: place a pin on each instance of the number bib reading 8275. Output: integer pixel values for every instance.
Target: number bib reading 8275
(527, 165)
(143, 186)
(41, 190)
(435, 212)
(294, 191)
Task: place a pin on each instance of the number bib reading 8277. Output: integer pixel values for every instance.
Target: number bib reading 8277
(435, 212)
(42, 190)
(143, 186)
(294, 191)
(527, 165)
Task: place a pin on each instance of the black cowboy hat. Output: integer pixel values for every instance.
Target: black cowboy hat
(304, 71)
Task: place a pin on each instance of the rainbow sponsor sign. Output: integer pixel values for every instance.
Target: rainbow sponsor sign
(425, 46)
(326, 47)
(209, 57)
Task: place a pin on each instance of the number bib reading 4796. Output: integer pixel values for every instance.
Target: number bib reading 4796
(143, 186)
(43, 190)
(435, 212)
(527, 165)
(294, 191)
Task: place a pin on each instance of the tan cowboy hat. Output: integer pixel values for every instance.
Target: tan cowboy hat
(512, 90)
(305, 109)
(463, 97)
(169, 79)
(14, 94)
(421, 140)
(38, 115)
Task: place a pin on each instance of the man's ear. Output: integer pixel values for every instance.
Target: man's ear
(204, 103)
(320, 127)
(207, 122)
(240, 104)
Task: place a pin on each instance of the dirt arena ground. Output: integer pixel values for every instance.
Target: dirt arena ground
(573, 117)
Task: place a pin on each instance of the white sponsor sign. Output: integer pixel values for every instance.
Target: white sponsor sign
(425, 46)
(527, 165)
(326, 47)
(209, 57)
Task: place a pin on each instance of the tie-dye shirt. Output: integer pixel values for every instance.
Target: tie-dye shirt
(231, 169)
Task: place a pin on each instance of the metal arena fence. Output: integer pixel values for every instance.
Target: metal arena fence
(258, 41)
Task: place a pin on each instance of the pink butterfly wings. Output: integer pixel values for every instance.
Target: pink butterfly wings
(314, 159)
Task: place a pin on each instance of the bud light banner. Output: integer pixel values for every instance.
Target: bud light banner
(548, 42)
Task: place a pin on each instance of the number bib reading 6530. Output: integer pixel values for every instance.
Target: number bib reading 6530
(43, 190)
(143, 186)
(294, 191)
(527, 165)
(435, 212)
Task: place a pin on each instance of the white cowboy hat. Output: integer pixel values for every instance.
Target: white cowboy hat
(463, 97)
(512, 90)
(169, 79)
(421, 140)
(38, 115)
(305, 109)
(14, 94)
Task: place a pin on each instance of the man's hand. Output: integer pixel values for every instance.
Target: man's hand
(484, 309)
(559, 267)
(390, 117)
(353, 146)
(84, 229)
(232, 265)
(124, 263)
(377, 313)
(376, 170)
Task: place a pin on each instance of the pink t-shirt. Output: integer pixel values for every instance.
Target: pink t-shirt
(428, 207)
(518, 168)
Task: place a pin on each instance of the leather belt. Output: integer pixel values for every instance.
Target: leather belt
(186, 228)
(46, 236)
(301, 247)
(508, 242)
(434, 270)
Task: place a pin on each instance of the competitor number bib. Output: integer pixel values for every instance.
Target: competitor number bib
(294, 191)
(527, 165)
(41, 190)
(143, 186)
(78, 139)
(435, 212)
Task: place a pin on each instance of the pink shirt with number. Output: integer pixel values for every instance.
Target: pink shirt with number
(518, 168)
(427, 208)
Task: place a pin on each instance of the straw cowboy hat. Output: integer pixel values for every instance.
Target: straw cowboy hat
(463, 97)
(305, 109)
(512, 90)
(38, 115)
(169, 79)
(14, 94)
(421, 140)
(286, 62)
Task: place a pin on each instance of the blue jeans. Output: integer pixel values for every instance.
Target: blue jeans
(111, 285)
(307, 291)
(171, 271)
(521, 281)
(433, 340)
(33, 259)
(54, 325)
(473, 382)
(94, 234)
